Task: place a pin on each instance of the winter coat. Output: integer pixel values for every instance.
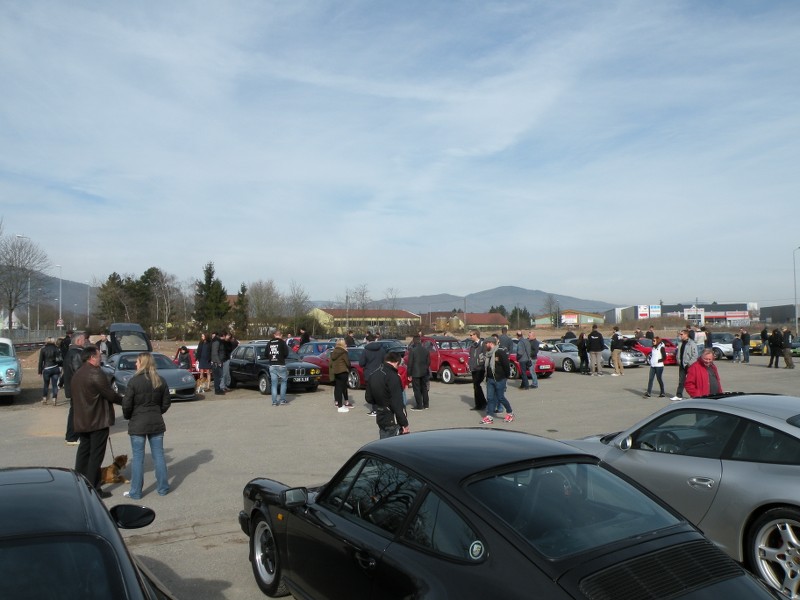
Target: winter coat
(93, 400)
(594, 341)
(697, 382)
(372, 358)
(386, 390)
(419, 361)
(143, 405)
(339, 362)
(49, 357)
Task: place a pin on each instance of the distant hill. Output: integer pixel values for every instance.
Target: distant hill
(508, 296)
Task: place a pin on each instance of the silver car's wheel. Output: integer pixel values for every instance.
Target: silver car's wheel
(353, 380)
(717, 354)
(264, 385)
(568, 365)
(266, 559)
(774, 549)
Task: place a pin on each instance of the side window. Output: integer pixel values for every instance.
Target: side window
(439, 528)
(249, 353)
(766, 445)
(699, 433)
(381, 494)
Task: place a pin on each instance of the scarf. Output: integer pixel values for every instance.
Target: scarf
(489, 359)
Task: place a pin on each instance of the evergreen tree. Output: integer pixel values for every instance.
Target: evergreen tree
(210, 301)
(240, 311)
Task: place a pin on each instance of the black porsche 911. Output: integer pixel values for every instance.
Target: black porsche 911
(58, 540)
(477, 513)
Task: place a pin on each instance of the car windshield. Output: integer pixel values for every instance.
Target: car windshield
(5, 350)
(64, 566)
(566, 509)
(568, 348)
(162, 362)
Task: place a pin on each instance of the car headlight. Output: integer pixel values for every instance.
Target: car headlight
(315, 371)
(187, 379)
(461, 359)
(11, 373)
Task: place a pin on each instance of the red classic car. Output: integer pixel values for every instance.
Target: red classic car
(448, 357)
(355, 379)
(645, 346)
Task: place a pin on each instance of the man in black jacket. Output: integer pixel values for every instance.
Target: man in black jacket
(387, 393)
(370, 360)
(498, 368)
(217, 359)
(419, 369)
(595, 346)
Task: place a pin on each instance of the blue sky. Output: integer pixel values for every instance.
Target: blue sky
(628, 152)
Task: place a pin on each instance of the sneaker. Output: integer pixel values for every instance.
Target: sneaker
(676, 398)
(372, 413)
(103, 494)
(284, 402)
(68, 443)
(615, 374)
(342, 409)
(661, 396)
(646, 396)
(44, 400)
(487, 420)
(348, 405)
(414, 408)
(509, 418)
(128, 495)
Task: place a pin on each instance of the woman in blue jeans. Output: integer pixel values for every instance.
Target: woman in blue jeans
(145, 401)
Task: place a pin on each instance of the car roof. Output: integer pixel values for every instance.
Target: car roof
(777, 406)
(43, 500)
(447, 456)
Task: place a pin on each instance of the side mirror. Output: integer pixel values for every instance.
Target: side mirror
(294, 497)
(131, 516)
(626, 443)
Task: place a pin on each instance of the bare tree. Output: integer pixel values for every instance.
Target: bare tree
(359, 297)
(165, 289)
(298, 303)
(21, 264)
(551, 307)
(266, 305)
(391, 294)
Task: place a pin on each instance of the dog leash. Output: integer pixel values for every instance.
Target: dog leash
(111, 447)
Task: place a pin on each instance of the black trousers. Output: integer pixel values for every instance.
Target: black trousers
(340, 388)
(420, 387)
(90, 454)
(477, 389)
(70, 435)
(216, 375)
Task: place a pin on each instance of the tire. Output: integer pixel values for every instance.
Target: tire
(446, 375)
(568, 365)
(353, 380)
(769, 532)
(233, 383)
(265, 559)
(264, 385)
(718, 354)
(513, 371)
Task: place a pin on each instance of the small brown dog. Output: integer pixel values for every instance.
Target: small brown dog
(110, 474)
(203, 385)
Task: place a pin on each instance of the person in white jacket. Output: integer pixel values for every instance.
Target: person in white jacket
(656, 360)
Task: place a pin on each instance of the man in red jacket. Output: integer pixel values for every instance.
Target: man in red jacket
(702, 377)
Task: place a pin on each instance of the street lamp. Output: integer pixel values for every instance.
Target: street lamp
(60, 295)
(794, 271)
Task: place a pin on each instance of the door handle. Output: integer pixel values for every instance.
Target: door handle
(365, 561)
(701, 482)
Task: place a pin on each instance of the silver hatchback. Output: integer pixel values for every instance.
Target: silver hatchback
(731, 465)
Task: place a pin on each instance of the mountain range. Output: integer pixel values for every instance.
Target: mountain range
(480, 302)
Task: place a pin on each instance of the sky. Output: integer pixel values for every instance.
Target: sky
(626, 151)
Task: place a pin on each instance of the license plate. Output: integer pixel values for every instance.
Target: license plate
(545, 367)
(171, 390)
(301, 379)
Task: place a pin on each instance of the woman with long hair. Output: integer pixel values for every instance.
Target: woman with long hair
(203, 356)
(146, 400)
(339, 371)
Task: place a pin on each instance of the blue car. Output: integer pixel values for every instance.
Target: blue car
(10, 370)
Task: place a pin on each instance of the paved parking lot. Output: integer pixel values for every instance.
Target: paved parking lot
(215, 445)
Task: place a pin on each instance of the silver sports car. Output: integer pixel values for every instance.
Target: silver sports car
(564, 355)
(731, 465)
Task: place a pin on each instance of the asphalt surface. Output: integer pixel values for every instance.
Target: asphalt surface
(215, 445)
